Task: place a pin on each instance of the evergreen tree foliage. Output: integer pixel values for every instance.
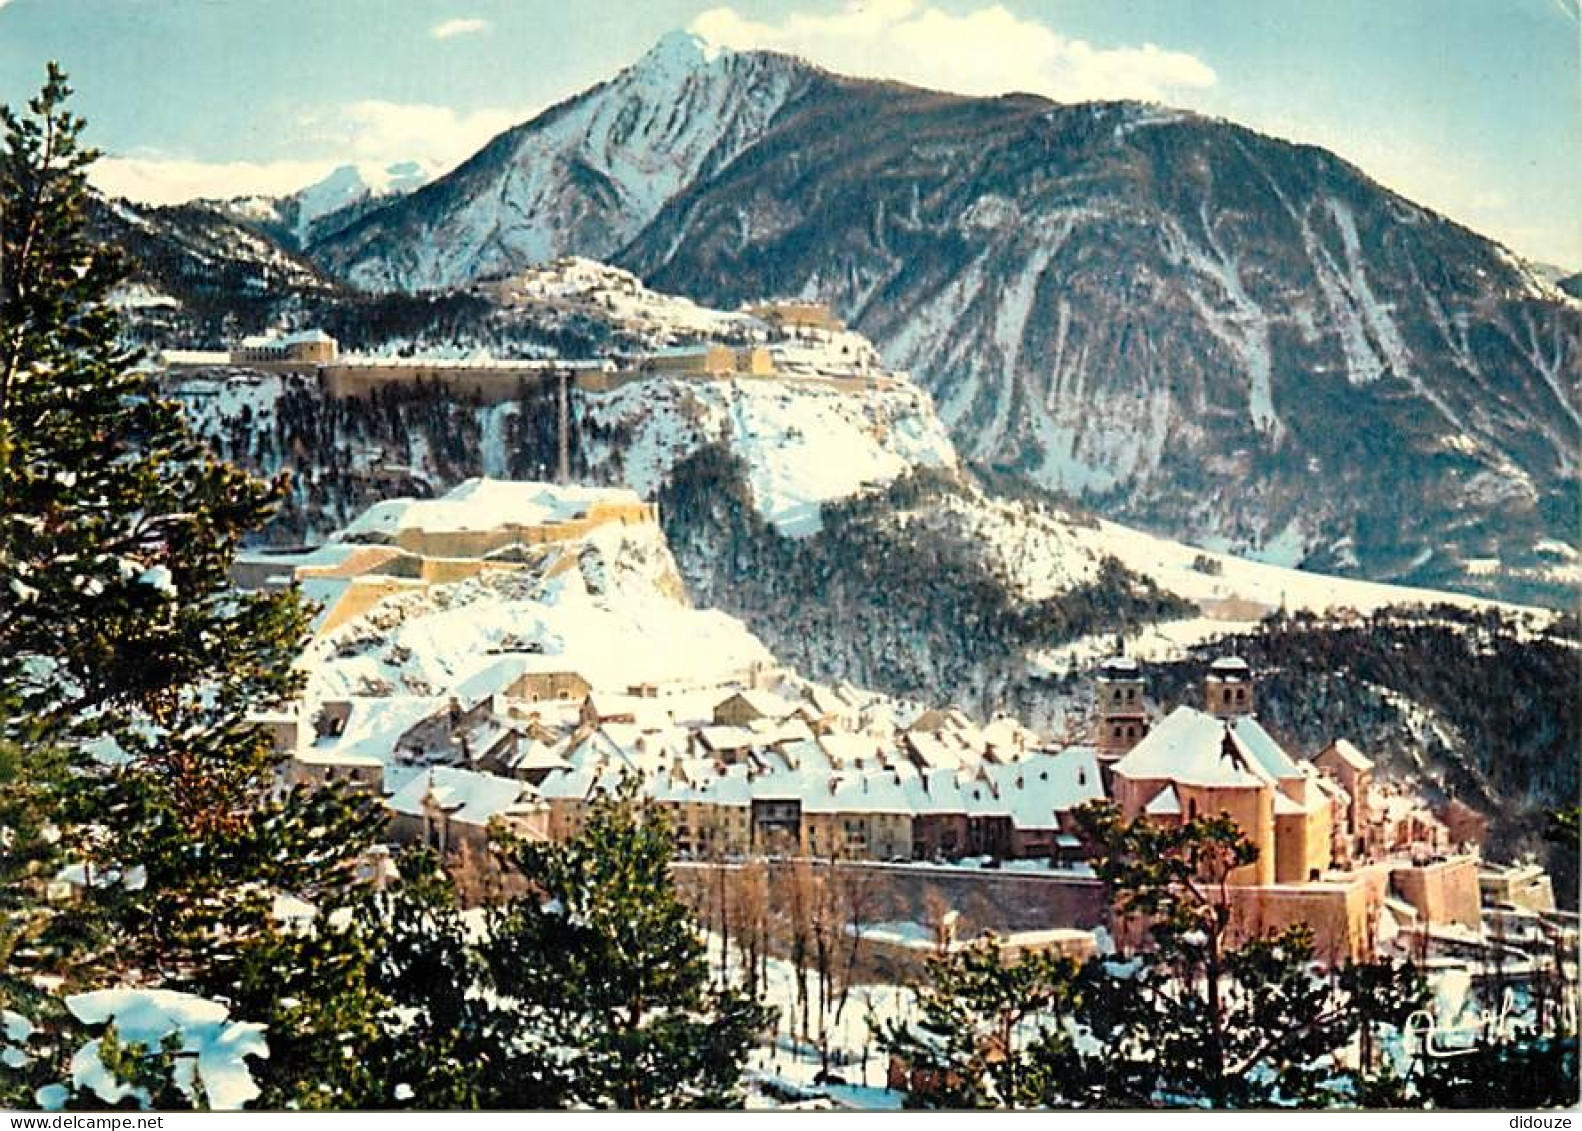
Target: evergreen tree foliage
(1196, 1018)
(129, 667)
(1563, 827)
(446, 1044)
(610, 977)
(990, 1034)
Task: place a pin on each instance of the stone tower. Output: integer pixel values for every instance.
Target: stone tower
(1120, 718)
(1228, 689)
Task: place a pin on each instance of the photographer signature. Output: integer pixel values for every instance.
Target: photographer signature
(1423, 1034)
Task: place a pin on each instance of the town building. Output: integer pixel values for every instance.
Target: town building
(445, 807)
(1120, 709)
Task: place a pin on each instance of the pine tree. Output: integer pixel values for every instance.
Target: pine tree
(610, 975)
(990, 1034)
(446, 1045)
(128, 666)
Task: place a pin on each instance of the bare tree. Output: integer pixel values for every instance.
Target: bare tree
(858, 888)
(797, 915)
(747, 887)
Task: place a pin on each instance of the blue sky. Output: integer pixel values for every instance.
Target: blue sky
(1473, 107)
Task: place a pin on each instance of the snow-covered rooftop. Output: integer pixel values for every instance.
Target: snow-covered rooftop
(299, 337)
(1198, 749)
(1350, 755)
(467, 797)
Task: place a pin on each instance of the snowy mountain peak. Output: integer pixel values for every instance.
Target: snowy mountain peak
(322, 208)
(679, 52)
(585, 176)
(348, 184)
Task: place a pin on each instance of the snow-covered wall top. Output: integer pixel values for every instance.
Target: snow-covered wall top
(485, 504)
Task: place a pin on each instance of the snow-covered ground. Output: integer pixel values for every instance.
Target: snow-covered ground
(804, 443)
(1175, 566)
(609, 607)
(610, 293)
(1234, 594)
(784, 1071)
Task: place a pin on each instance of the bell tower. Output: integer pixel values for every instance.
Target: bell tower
(1228, 688)
(1120, 718)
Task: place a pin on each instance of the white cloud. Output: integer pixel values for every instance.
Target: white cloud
(989, 50)
(163, 180)
(374, 130)
(470, 25)
(369, 132)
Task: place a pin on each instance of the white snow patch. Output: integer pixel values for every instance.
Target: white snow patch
(219, 1047)
(805, 443)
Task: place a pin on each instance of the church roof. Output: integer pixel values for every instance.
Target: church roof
(1198, 749)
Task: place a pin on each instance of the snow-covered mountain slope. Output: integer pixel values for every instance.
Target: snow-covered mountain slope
(323, 208)
(1043, 551)
(585, 176)
(805, 444)
(190, 249)
(609, 606)
(574, 287)
(1219, 335)
(198, 278)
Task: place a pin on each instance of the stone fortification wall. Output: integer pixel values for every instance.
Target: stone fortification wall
(481, 543)
(490, 384)
(1445, 891)
(985, 899)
